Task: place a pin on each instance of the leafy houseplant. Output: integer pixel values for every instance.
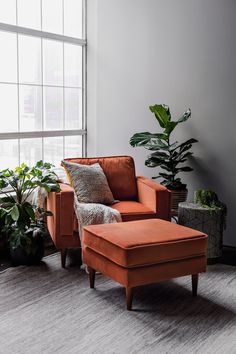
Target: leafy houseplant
(208, 199)
(167, 155)
(21, 220)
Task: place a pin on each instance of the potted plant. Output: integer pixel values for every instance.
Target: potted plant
(167, 154)
(21, 221)
(209, 200)
(207, 214)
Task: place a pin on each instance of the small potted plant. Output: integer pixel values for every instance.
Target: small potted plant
(21, 221)
(169, 155)
(207, 214)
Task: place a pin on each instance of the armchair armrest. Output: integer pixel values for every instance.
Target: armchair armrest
(154, 196)
(62, 206)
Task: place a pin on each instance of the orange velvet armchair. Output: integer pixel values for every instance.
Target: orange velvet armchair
(138, 198)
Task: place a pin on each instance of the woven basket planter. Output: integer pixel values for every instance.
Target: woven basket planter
(177, 196)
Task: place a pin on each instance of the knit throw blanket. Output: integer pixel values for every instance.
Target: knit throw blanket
(93, 214)
(86, 213)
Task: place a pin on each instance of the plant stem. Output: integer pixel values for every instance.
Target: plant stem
(29, 193)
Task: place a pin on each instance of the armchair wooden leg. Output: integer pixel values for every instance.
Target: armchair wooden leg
(129, 298)
(91, 277)
(63, 257)
(194, 284)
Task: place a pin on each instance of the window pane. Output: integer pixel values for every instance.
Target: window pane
(52, 63)
(52, 16)
(73, 65)
(30, 100)
(73, 108)
(8, 108)
(8, 57)
(30, 151)
(8, 154)
(8, 11)
(53, 150)
(29, 13)
(73, 146)
(73, 15)
(30, 60)
(53, 108)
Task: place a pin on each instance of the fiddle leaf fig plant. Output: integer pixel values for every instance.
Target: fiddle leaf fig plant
(169, 155)
(20, 219)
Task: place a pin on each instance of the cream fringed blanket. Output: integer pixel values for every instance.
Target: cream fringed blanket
(86, 213)
(93, 214)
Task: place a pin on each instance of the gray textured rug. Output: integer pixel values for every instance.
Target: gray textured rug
(46, 309)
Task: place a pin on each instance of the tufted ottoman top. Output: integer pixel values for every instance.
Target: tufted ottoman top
(145, 242)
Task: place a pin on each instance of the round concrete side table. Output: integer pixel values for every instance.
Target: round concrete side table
(211, 223)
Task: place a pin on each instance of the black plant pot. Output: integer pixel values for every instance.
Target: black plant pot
(20, 257)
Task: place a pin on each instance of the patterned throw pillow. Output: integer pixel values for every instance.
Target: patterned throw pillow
(89, 182)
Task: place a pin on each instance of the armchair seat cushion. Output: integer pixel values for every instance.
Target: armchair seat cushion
(131, 210)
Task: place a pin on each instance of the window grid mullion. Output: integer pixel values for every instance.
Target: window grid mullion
(19, 30)
(17, 83)
(63, 80)
(42, 91)
(84, 80)
(42, 34)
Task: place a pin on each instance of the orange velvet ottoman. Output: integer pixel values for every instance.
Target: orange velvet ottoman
(135, 253)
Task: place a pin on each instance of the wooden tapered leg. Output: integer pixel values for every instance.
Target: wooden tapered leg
(129, 297)
(194, 284)
(91, 277)
(63, 257)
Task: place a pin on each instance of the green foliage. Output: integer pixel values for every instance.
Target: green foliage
(169, 156)
(208, 199)
(20, 220)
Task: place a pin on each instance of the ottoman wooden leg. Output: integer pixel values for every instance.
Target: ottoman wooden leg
(129, 297)
(91, 277)
(194, 284)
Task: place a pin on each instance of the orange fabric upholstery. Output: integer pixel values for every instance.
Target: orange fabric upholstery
(146, 242)
(139, 198)
(131, 210)
(154, 196)
(142, 252)
(120, 173)
(136, 276)
(61, 224)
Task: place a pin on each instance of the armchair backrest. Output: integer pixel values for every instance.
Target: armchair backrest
(120, 173)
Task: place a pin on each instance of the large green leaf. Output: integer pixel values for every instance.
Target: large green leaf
(170, 126)
(187, 142)
(29, 210)
(153, 162)
(15, 213)
(162, 114)
(160, 154)
(185, 156)
(3, 183)
(185, 169)
(185, 116)
(143, 138)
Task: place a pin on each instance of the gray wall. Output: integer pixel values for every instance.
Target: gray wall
(178, 52)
